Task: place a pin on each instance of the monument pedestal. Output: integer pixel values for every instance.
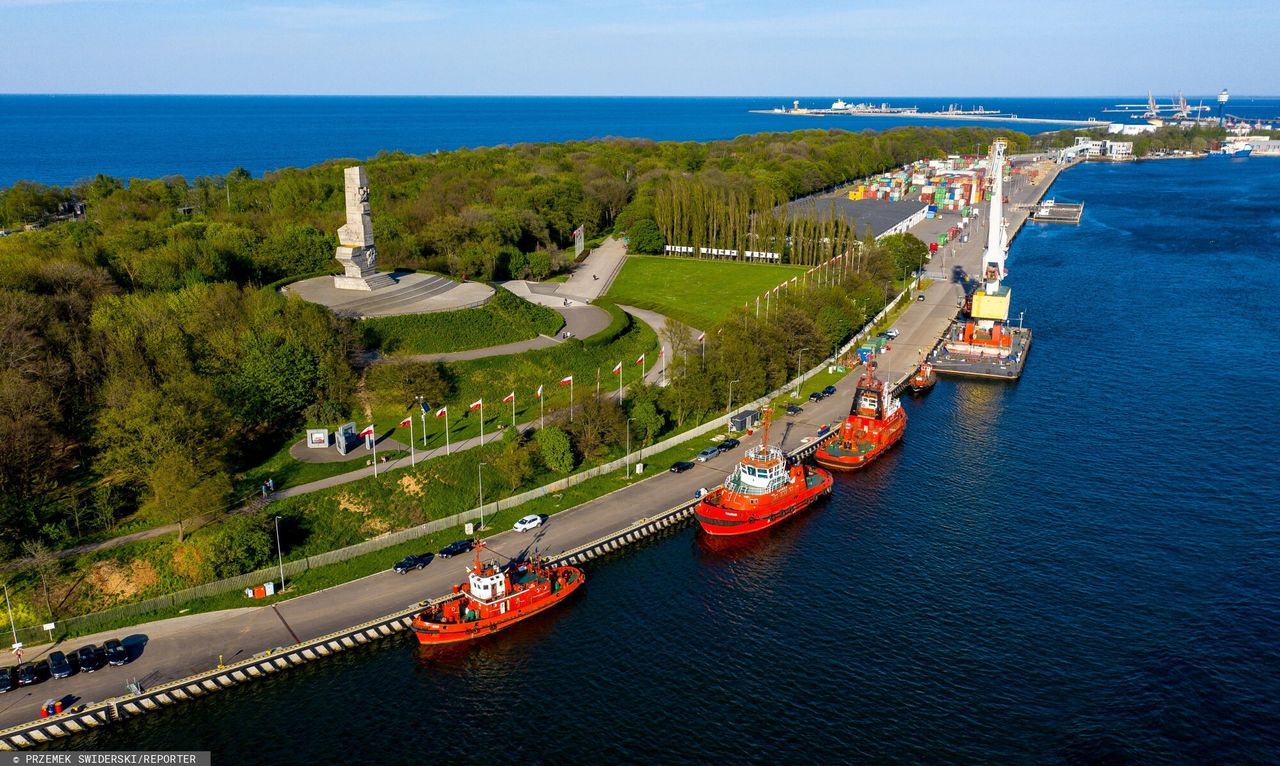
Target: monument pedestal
(356, 251)
(370, 283)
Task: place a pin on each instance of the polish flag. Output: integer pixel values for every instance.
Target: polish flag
(640, 360)
(662, 352)
(406, 422)
(511, 397)
(566, 380)
(538, 393)
(702, 337)
(617, 368)
(368, 431)
(441, 412)
(477, 404)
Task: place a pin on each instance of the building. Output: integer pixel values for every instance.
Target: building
(1130, 129)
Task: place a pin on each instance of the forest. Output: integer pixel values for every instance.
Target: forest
(147, 360)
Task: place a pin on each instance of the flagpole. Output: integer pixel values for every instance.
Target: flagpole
(447, 450)
(570, 398)
(542, 415)
(513, 412)
(375, 452)
(413, 456)
(619, 382)
(482, 422)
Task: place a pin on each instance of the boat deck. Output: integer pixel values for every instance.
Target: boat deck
(964, 365)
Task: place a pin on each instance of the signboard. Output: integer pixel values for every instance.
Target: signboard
(579, 241)
(317, 438)
(347, 438)
(49, 626)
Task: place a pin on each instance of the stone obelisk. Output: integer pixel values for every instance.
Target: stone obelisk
(356, 251)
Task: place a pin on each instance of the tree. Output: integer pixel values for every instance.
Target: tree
(241, 544)
(599, 426)
(646, 237)
(540, 264)
(556, 450)
(514, 461)
(180, 487)
(905, 251)
(42, 563)
(647, 419)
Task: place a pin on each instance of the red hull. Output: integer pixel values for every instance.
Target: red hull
(432, 631)
(721, 521)
(846, 454)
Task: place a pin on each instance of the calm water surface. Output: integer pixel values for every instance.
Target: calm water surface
(1077, 568)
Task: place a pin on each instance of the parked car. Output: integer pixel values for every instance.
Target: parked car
(793, 409)
(920, 297)
(891, 333)
(90, 658)
(681, 466)
(116, 652)
(409, 563)
(728, 444)
(829, 391)
(32, 672)
(8, 679)
(699, 492)
(817, 396)
(532, 521)
(456, 548)
(707, 454)
(59, 665)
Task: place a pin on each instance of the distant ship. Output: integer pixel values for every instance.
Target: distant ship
(494, 598)
(762, 491)
(1231, 149)
(876, 422)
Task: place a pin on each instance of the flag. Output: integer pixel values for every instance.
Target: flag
(476, 404)
(538, 393)
(441, 412)
(423, 405)
(662, 352)
(408, 421)
(702, 337)
(617, 368)
(511, 397)
(566, 380)
(368, 431)
(640, 360)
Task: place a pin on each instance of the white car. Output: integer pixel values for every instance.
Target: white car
(531, 521)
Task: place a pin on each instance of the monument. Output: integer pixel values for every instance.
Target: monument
(356, 251)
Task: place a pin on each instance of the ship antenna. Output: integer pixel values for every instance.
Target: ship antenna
(764, 438)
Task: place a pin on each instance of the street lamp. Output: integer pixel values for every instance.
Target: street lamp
(9, 604)
(280, 554)
(798, 353)
(480, 479)
(730, 408)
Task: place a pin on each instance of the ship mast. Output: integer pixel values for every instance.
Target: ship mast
(766, 413)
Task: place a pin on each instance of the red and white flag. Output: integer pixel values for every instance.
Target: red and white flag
(617, 368)
(702, 337)
(441, 412)
(640, 360)
(566, 380)
(406, 422)
(368, 430)
(511, 397)
(477, 404)
(662, 352)
(538, 393)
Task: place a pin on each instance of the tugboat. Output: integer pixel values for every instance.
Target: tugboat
(761, 491)
(875, 423)
(494, 598)
(923, 379)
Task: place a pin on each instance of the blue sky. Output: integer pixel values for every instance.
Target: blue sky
(641, 47)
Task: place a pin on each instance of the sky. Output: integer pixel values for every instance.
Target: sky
(945, 48)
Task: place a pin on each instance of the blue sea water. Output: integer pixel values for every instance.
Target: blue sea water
(62, 139)
(1077, 568)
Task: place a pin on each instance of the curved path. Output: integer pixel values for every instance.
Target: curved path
(658, 323)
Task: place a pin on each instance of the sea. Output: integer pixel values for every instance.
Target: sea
(1080, 567)
(62, 139)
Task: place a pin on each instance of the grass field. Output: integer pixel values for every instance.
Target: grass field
(698, 292)
(505, 319)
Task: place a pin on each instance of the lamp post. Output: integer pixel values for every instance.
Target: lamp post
(628, 448)
(280, 554)
(9, 604)
(730, 408)
(798, 353)
(480, 479)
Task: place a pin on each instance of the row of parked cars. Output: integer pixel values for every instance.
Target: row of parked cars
(459, 547)
(818, 396)
(86, 659)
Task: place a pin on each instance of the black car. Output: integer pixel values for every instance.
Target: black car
(90, 658)
(412, 562)
(793, 409)
(59, 665)
(32, 672)
(116, 653)
(729, 444)
(816, 396)
(8, 679)
(681, 466)
(455, 548)
(829, 391)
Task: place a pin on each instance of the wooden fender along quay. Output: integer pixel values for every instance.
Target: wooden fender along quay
(92, 715)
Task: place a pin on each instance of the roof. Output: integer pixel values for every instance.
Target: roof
(882, 215)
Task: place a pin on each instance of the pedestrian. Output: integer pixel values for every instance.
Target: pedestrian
(264, 490)
(271, 484)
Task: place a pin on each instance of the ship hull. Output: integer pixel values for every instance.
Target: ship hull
(433, 633)
(718, 521)
(836, 458)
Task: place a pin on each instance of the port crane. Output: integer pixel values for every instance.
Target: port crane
(1176, 109)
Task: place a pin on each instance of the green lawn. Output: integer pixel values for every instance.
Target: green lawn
(505, 319)
(698, 292)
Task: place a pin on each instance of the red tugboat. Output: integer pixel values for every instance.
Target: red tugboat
(761, 491)
(875, 423)
(923, 379)
(494, 598)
